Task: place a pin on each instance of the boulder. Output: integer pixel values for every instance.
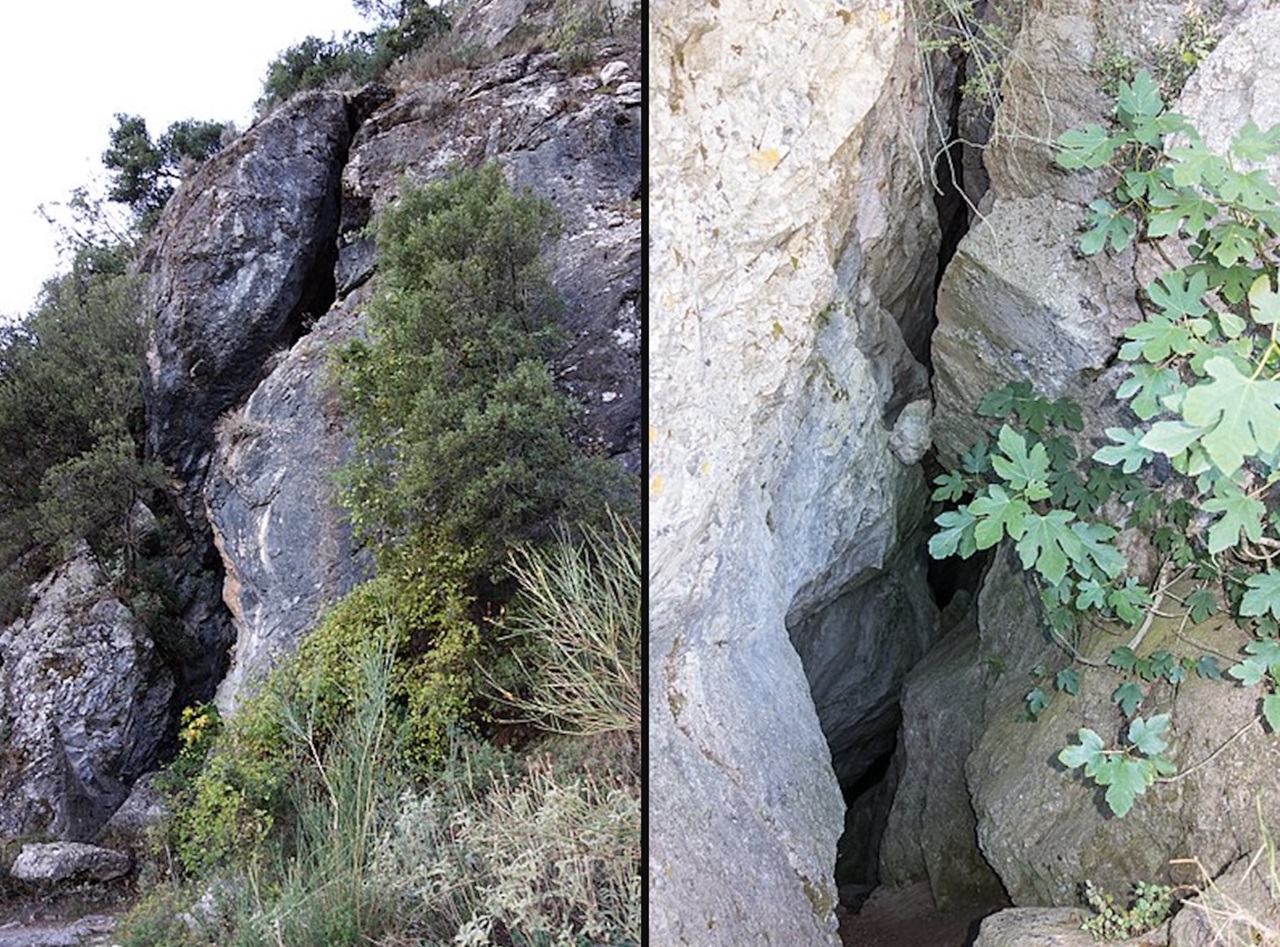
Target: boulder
(271, 499)
(792, 249)
(1016, 303)
(85, 704)
(241, 259)
(52, 862)
(143, 811)
(1049, 927)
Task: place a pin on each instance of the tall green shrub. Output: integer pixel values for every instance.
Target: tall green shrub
(461, 432)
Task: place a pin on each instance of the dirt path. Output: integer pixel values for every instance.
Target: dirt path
(906, 917)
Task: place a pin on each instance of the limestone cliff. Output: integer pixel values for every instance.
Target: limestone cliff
(792, 240)
(258, 268)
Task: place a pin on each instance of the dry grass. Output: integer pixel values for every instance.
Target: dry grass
(575, 629)
(1241, 908)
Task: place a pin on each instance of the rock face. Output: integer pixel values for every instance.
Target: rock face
(272, 503)
(65, 861)
(1044, 830)
(129, 827)
(85, 703)
(242, 277)
(791, 249)
(270, 494)
(243, 254)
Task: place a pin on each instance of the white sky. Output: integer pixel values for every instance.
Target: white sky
(66, 68)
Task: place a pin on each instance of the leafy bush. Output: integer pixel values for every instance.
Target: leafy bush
(1197, 470)
(460, 430)
(421, 611)
(71, 421)
(227, 811)
(575, 631)
(315, 63)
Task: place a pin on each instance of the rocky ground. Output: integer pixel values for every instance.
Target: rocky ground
(906, 917)
(82, 917)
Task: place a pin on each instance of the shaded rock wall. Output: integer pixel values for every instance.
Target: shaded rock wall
(790, 272)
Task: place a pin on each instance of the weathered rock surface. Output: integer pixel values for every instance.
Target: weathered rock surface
(52, 862)
(1017, 303)
(92, 930)
(243, 255)
(1044, 829)
(272, 501)
(486, 23)
(84, 701)
(791, 246)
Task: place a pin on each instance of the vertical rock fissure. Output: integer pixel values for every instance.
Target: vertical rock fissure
(869, 798)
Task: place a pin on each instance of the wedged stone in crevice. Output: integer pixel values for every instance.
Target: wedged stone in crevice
(931, 832)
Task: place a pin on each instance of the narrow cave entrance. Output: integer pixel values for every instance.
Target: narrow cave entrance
(959, 184)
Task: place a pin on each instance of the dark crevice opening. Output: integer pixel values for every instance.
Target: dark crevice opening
(948, 581)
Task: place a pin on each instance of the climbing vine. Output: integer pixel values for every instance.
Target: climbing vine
(1195, 472)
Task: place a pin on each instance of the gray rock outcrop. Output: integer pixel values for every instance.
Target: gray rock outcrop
(272, 502)
(242, 256)
(270, 495)
(1018, 303)
(52, 862)
(932, 828)
(141, 814)
(85, 702)
(791, 249)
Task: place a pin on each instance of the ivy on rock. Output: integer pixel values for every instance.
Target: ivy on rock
(1196, 472)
